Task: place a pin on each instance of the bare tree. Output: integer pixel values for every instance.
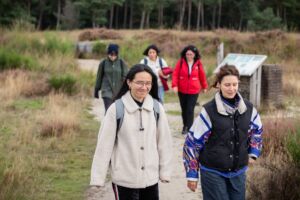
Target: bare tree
(41, 12)
(189, 14)
(125, 14)
(160, 15)
(181, 14)
(111, 18)
(219, 13)
(143, 19)
(131, 14)
(198, 14)
(58, 14)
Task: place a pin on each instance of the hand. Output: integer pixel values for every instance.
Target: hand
(205, 90)
(251, 161)
(175, 89)
(160, 73)
(192, 185)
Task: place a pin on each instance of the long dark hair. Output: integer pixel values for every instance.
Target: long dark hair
(225, 70)
(193, 49)
(131, 75)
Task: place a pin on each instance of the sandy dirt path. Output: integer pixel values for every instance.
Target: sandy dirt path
(176, 189)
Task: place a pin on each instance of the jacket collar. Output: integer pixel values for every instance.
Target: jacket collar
(131, 106)
(225, 109)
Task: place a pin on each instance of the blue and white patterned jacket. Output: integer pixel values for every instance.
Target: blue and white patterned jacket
(201, 129)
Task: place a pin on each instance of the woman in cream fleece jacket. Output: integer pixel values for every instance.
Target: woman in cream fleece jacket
(139, 155)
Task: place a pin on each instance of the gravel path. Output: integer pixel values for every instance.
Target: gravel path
(176, 189)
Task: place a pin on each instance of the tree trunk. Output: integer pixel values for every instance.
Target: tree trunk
(182, 10)
(111, 18)
(219, 14)
(213, 24)
(202, 15)
(240, 25)
(125, 14)
(117, 17)
(160, 15)
(189, 14)
(131, 14)
(41, 12)
(147, 19)
(198, 15)
(29, 8)
(58, 14)
(143, 19)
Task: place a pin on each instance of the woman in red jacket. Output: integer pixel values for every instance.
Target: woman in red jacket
(188, 80)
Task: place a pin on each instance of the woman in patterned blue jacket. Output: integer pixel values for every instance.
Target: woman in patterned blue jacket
(223, 140)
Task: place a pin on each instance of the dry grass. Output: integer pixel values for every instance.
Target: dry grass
(15, 83)
(56, 122)
(98, 34)
(275, 176)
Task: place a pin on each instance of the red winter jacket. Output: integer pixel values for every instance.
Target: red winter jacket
(189, 83)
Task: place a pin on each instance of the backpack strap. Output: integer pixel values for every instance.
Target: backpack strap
(160, 62)
(145, 61)
(120, 112)
(156, 110)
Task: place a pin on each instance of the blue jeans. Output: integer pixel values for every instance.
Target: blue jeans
(161, 93)
(217, 187)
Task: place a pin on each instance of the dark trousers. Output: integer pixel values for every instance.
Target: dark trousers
(217, 187)
(124, 193)
(107, 102)
(187, 104)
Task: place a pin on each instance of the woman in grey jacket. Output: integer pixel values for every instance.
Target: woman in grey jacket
(139, 153)
(110, 76)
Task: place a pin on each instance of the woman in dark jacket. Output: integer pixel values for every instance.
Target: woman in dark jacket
(110, 76)
(224, 138)
(188, 80)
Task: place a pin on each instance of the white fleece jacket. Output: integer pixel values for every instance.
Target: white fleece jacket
(137, 159)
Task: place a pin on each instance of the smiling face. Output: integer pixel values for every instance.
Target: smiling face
(229, 86)
(140, 86)
(152, 54)
(190, 55)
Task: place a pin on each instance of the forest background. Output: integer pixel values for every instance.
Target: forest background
(242, 15)
(47, 134)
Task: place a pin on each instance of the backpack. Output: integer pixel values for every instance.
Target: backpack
(120, 112)
(159, 60)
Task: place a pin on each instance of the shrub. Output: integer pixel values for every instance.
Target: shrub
(12, 60)
(65, 83)
(275, 175)
(53, 45)
(99, 48)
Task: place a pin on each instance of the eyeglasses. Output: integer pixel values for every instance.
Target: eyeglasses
(112, 55)
(142, 83)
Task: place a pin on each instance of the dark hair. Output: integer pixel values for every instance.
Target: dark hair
(131, 75)
(193, 49)
(225, 70)
(152, 46)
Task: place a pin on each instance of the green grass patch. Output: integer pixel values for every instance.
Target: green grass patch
(65, 83)
(12, 60)
(32, 104)
(293, 146)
